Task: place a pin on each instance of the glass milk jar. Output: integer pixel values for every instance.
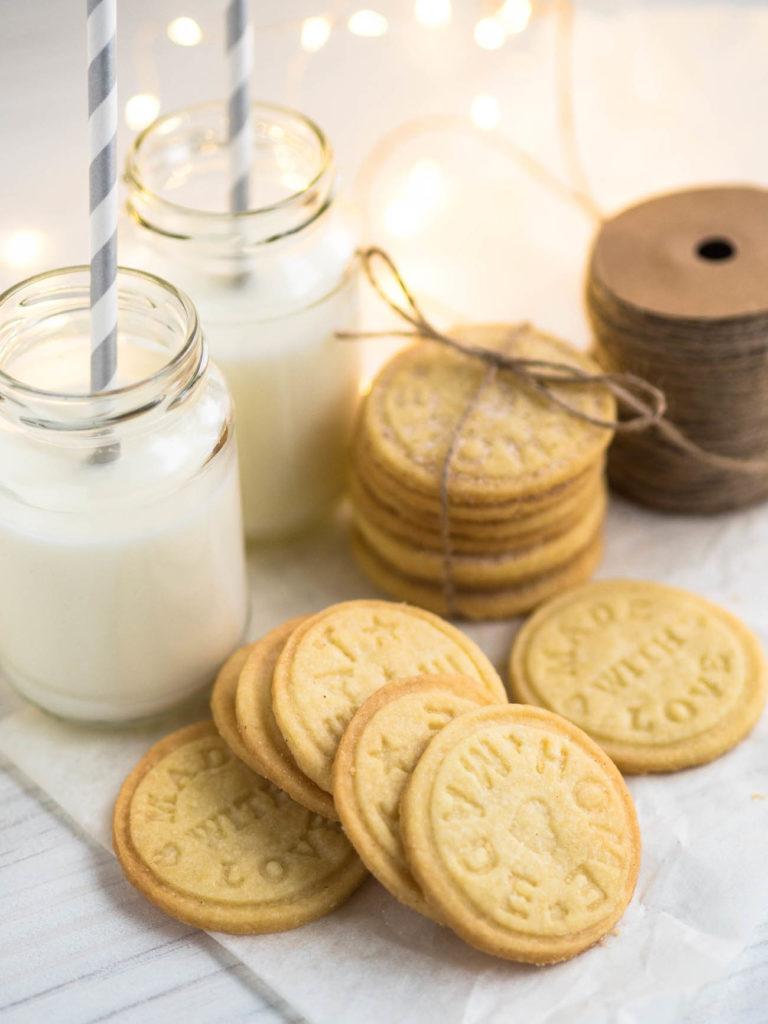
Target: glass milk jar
(272, 285)
(122, 577)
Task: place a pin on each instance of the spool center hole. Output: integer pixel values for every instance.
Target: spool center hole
(716, 249)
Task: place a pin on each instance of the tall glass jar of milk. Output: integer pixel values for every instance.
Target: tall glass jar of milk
(122, 575)
(272, 286)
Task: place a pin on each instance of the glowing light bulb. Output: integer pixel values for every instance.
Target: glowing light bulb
(141, 110)
(432, 13)
(315, 33)
(184, 31)
(402, 218)
(423, 193)
(515, 15)
(485, 112)
(490, 33)
(22, 248)
(426, 183)
(367, 23)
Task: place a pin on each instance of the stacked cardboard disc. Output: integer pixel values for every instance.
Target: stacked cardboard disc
(473, 493)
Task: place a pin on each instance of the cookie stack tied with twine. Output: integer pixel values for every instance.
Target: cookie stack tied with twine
(477, 468)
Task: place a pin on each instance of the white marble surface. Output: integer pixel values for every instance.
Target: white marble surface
(668, 93)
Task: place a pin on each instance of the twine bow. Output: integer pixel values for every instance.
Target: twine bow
(644, 403)
(640, 404)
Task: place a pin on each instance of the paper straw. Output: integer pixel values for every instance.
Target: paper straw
(240, 56)
(102, 138)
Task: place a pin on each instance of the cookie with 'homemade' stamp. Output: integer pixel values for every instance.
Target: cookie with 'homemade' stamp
(661, 678)
(521, 833)
(378, 751)
(216, 845)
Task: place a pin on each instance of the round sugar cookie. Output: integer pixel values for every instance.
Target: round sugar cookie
(379, 480)
(258, 731)
(215, 845)
(223, 705)
(521, 833)
(336, 659)
(485, 572)
(478, 604)
(378, 751)
(492, 536)
(661, 678)
(512, 442)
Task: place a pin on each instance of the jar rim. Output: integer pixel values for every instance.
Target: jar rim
(133, 175)
(166, 372)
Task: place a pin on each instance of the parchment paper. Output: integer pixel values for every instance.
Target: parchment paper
(703, 885)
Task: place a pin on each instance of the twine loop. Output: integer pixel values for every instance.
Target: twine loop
(642, 404)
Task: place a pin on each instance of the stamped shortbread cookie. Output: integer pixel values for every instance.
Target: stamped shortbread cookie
(521, 833)
(514, 441)
(217, 846)
(492, 536)
(482, 604)
(336, 659)
(377, 753)
(662, 679)
(257, 728)
(489, 572)
(223, 705)
(426, 502)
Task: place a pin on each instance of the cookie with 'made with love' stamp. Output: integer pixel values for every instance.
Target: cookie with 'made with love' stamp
(661, 678)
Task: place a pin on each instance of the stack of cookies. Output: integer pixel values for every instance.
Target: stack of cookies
(473, 493)
(482, 815)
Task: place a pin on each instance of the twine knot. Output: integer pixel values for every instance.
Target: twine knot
(640, 404)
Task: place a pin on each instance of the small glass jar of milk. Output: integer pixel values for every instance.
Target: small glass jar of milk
(272, 286)
(122, 573)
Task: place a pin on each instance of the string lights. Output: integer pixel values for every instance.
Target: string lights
(315, 33)
(422, 191)
(515, 15)
(485, 112)
(21, 248)
(184, 32)
(141, 110)
(490, 33)
(367, 23)
(433, 13)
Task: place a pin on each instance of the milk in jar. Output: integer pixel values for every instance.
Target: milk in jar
(123, 584)
(272, 285)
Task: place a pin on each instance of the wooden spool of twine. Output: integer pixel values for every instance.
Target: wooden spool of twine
(677, 293)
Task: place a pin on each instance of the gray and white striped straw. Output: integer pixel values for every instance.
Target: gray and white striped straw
(102, 138)
(240, 57)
